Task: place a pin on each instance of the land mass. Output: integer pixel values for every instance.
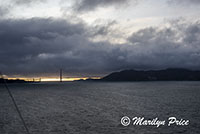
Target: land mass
(171, 74)
(12, 81)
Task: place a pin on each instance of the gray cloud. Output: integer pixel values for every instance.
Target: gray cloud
(88, 5)
(42, 46)
(102, 29)
(3, 11)
(176, 46)
(6, 9)
(25, 2)
(179, 2)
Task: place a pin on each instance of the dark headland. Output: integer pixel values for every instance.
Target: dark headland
(12, 81)
(172, 74)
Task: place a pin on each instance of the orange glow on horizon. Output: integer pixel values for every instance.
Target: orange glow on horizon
(46, 79)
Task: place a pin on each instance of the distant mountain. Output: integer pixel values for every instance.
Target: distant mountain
(12, 81)
(172, 74)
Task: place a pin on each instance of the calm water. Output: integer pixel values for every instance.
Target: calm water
(97, 108)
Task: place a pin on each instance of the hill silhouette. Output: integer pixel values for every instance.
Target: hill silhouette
(171, 74)
(12, 81)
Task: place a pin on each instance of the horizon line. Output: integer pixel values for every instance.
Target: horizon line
(49, 79)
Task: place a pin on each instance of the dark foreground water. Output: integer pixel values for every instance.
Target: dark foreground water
(97, 108)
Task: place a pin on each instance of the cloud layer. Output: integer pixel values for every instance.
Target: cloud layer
(88, 5)
(42, 46)
(3, 11)
(24, 2)
(179, 2)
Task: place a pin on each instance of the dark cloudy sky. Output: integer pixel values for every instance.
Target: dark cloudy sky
(96, 37)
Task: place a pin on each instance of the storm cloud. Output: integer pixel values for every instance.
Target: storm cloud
(3, 11)
(179, 2)
(89, 5)
(177, 46)
(25, 2)
(42, 46)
